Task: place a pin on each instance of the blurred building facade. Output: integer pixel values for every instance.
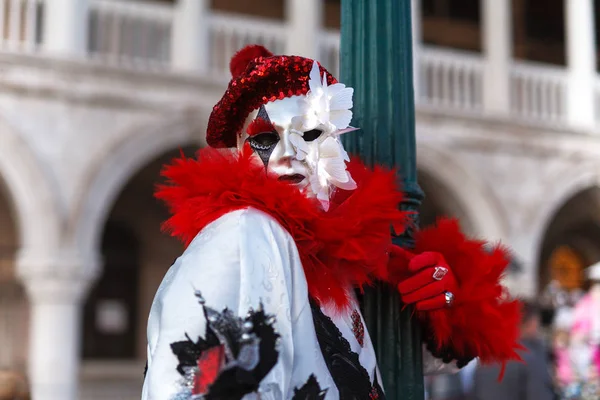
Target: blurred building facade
(95, 95)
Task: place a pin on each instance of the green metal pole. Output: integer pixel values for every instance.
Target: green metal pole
(376, 60)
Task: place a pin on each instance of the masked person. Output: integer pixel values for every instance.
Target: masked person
(280, 228)
(580, 364)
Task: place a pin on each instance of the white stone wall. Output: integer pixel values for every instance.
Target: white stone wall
(520, 176)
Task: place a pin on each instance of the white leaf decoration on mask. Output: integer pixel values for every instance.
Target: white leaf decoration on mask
(299, 145)
(348, 129)
(326, 105)
(327, 108)
(332, 164)
(341, 97)
(320, 191)
(340, 118)
(330, 169)
(314, 83)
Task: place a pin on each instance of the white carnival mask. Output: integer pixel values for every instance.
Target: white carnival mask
(298, 137)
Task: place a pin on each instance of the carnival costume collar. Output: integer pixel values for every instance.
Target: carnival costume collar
(340, 249)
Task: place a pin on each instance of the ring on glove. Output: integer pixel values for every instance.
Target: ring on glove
(439, 273)
(449, 298)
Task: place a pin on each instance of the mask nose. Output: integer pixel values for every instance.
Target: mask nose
(289, 151)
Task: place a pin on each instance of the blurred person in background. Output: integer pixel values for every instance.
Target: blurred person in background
(563, 373)
(527, 380)
(444, 387)
(580, 361)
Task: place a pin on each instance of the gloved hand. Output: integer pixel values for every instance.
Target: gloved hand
(428, 282)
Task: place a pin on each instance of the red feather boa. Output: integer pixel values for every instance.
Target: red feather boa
(348, 246)
(339, 249)
(484, 321)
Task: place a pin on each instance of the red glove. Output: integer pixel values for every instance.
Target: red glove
(428, 282)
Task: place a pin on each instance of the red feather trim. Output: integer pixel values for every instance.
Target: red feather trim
(240, 60)
(483, 321)
(339, 249)
(259, 125)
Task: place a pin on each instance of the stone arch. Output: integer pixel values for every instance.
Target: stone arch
(135, 256)
(112, 169)
(31, 196)
(440, 201)
(566, 186)
(480, 207)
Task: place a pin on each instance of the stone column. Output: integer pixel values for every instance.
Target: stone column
(66, 27)
(581, 62)
(304, 26)
(56, 288)
(369, 30)
(190, 47)
(497, 48)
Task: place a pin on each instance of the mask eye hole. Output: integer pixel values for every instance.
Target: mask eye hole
(311, 135)
(263, 140)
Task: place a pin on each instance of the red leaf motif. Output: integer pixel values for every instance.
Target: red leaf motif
(259, 125)
(209, 366)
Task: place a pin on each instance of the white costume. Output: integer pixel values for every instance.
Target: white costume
(279, 234)
(239, 249)
(259, 261)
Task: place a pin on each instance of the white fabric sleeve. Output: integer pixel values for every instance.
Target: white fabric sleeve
(242, 259)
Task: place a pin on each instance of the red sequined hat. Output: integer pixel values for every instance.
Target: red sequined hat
(258, 78)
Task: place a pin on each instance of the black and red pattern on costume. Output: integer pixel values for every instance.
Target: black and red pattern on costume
(351, 378)
(350, 245)
(232, 358)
